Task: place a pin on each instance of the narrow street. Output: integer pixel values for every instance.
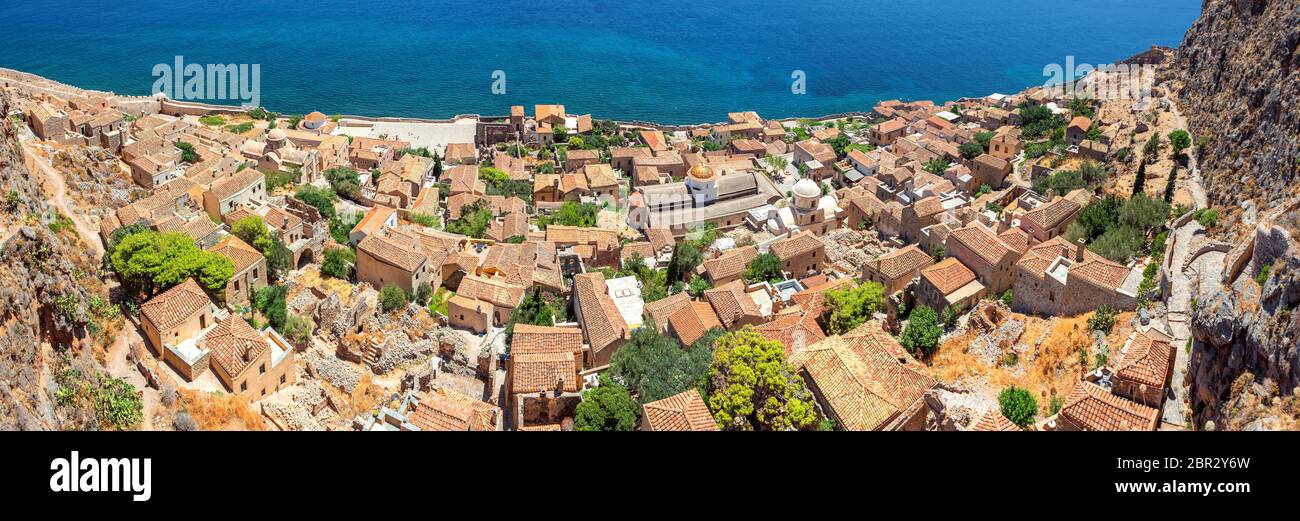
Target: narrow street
(54, 186)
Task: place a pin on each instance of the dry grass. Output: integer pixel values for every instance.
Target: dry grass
(1049, 369)
(310, 277)
(225, 412)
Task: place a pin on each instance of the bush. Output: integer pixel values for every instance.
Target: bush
(392, 297)
(422, 294)
(1103, 319)
(608, 407)
(320, 198)
(184, 422)
(1006, 297)
(921, 336)
(338, 263)
(1207, 217)
(1262, 277)
(1018, 405)
(168, 395)
(850, 307)
(766, 267)
(298, 329)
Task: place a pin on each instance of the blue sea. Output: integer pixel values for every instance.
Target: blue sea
(672, 61)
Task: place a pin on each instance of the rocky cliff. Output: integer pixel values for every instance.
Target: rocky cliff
(43, 302)
(1240, 76)
(1240, 85)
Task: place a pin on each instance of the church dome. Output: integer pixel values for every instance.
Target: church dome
(275, 135)
(701, 172)
(807, 189)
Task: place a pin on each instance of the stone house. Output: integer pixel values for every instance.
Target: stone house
(885, 134)
(1077, 131)
(176, 317)
(250, 269)
(395, 258)
(1145, 368)
(727, 267)
(248, 362)
(1059, 278)
(979, 249)
(866, 381)
(990, 170)
(801, 253)
(542, 382)
(948, 284)
(1092, 408)
(602, 324)
(682, 412)
(244, 188)
(896, 269)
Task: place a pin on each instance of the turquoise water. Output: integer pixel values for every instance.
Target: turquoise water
(671, 61)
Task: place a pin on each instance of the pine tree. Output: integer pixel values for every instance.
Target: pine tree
(1139, 184)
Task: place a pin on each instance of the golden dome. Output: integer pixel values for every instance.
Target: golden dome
(701, 171)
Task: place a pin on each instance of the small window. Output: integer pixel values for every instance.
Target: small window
(281, 379)
(243, 387)
(262, 370)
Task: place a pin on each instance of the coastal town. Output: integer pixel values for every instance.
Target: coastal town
(1022, 261)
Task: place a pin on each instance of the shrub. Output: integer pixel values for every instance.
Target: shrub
(766, 267)
(1262, 277)
(168, 395)
(392, 297)
(1006, 297)
(848, 308)
(338, 263)
(608, 407)
(184, 422)
(1207, 217)
(1018, 405)
(422, 293)
(1103, 319)
(298, 329)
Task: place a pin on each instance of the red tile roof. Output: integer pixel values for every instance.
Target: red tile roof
(682, 412)
(175, 305)
(1092, 408)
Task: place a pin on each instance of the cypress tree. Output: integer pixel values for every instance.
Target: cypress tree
(1169, 185)
(1139, 184)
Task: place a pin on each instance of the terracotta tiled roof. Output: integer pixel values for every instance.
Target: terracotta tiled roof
(901, 262)
(982, 242)
(1081, 122)
(543, 372)
(1092, 408)
(682, 412)
(661, 309)
(1052, 214)
(545, 339)
(799, 244)
(599, 237)
(398, 253)
(660, 238)
(239, 252)
(229, 186)
(601, 320)
(1016, 239)
(373, 220)
(235, 345)
(441, 410)
(175, 305)
(1094, 268)
(644, 249)
(731, 303)
(731, 263)
(995, 421)
(928, 206)
(948, 275)
(795, 330)
(1147, 361)
(496, 291)
(692, 321)
(865, 377)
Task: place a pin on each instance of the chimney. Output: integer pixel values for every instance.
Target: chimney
(1078, 251)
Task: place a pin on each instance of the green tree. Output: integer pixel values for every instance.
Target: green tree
(422, 293)
(188, 155)
(936, 166)
(921, 336)
(149, 262)
(698, 286)
(338, 263)
(270, 302)
(1179, 140)
(686, 257)
(764, 267)
(848, 308)
(571, 214)
(970, 149)
(392, 297)
(320, 198)
(252, 231)
(657, 366)
(984, 138)
(533, 309)
(608, 407)
(753, 388)
(474, 220)
(1018, 405)
(1140, 182)
(345, 181)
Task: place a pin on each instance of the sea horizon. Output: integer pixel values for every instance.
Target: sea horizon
(672, 63)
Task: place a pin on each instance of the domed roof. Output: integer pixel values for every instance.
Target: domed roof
(701, 171)
(275, 135)
(807, 189)
(314, 117)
